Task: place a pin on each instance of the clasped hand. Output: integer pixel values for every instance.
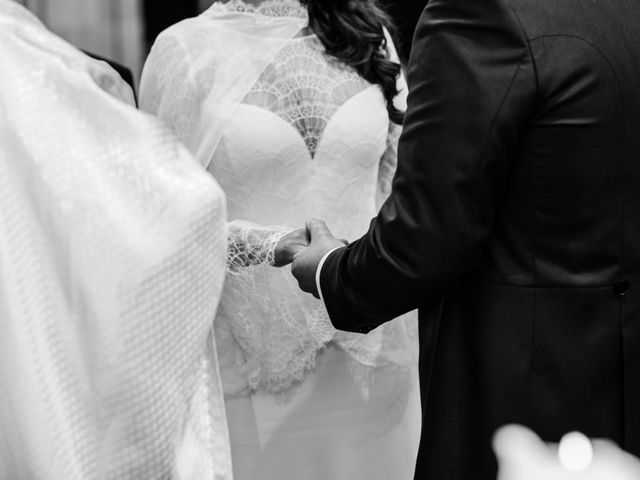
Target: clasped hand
(304, 249)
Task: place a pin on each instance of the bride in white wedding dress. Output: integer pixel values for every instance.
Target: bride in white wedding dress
(265, 96)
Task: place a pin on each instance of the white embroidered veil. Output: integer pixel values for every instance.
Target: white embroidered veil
(112, 259)
(231, 72)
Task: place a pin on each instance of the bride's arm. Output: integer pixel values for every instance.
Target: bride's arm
(389, 160)
(251, 244)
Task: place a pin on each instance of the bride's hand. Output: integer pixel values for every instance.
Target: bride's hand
(289, 245)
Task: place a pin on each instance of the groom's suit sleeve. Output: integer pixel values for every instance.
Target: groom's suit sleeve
(472, 87)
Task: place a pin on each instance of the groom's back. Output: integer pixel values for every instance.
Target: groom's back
(568, 231)
(546, 332)
(578, 168)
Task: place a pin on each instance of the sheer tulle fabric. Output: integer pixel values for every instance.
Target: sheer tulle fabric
(112, 258)
(296, 134)
(193, 53)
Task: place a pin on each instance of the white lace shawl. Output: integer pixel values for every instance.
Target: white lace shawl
(197, 52)
(197, 74)
(112, 259)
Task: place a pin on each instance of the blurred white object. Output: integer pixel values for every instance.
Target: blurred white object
(575, 452)
(524, 456)
(112, 259)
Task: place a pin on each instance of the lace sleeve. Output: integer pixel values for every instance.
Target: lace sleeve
(268, 331)
(252, 245)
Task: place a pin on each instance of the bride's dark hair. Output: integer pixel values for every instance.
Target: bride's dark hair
(353, 32)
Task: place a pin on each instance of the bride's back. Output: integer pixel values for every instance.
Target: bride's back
(289, 131)
(307, 139)
(287, 128)
(276, 105)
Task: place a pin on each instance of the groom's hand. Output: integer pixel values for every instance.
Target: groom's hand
(305, 262)
(289, 245)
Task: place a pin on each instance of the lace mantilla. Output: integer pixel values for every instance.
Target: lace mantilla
(269, 8)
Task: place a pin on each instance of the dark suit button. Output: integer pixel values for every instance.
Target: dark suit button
(621, 288)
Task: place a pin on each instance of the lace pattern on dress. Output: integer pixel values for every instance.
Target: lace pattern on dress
(280, 332)
(305, 87)
(251, 245)
(269, 8)
(279, 340)
(263, 331)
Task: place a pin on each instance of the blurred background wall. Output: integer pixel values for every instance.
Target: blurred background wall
(120, 30)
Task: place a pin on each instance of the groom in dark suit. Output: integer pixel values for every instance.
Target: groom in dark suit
(513, 225)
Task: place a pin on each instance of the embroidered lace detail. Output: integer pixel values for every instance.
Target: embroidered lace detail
(305, 87)
(262, 331)
(268, 8)
(251, 245)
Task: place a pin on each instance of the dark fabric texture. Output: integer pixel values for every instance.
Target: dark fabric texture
(405, 14)
(513, 225)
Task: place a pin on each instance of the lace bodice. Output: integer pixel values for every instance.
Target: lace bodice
(309, 137)
(270, 8)
(305, 88)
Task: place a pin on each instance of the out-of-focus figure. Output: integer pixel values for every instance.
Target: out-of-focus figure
(523, 456)
(112, 258)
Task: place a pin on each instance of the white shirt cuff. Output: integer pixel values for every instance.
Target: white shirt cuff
(319, 270)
